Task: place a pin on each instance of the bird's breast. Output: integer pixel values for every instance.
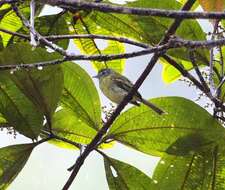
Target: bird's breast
(111, 90)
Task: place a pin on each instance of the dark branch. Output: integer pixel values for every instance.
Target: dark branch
(103, 7)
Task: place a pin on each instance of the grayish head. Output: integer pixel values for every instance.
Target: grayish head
(103, 73)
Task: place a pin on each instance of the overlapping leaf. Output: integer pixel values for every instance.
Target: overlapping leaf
(18, 111)
(12, 160)
(79, 118)
(148, 132)
(53, 25)
(11, 22)
(43, 86)
(124, 176)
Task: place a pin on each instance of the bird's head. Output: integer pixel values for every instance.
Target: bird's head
(103, 73)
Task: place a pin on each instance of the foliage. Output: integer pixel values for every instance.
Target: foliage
(44, 94)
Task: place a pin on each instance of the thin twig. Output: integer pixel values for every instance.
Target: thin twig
(33, 42)
(40, 37)
(195, 66)
(61, 138)
(211, 62)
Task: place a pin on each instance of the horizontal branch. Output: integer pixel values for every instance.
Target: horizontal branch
(161, 48)
(2, 2)
(103, 7)
(79, 36)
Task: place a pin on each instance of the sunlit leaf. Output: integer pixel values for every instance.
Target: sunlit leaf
(80, 95)
(171, 74)
(67, 125)
(193, 7)
(85, 25)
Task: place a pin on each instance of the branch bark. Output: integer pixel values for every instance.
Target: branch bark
(103, 7)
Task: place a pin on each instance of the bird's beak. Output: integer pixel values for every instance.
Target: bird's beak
(96, 76)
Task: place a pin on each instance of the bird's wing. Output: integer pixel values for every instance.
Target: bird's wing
(123, 83)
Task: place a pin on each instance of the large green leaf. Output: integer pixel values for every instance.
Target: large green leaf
(43, 86)
(80, 95)
(201, 170)
(17, 109)
(144, 130)
(85, 25)
(12, 160)
(121, 175)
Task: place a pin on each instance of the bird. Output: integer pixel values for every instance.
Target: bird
(116, 86)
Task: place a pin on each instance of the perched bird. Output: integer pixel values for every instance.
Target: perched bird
(115, 87)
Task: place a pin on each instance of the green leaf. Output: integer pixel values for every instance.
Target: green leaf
(12, 160)
(121, 175)
(201, 170)
(144, 130)
(17, 109)
(43, 86)
(80, 95)
(65, 124)
(86, 25)
(171, 74)
(53, 25)
(10, 22)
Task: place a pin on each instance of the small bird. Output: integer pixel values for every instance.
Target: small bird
(115, 87)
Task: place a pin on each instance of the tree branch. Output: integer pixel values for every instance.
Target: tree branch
(120, 107)
(103, 7)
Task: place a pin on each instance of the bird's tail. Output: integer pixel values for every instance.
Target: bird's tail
(153, 107)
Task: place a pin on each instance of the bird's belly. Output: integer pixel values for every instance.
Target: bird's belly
(114, 93)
